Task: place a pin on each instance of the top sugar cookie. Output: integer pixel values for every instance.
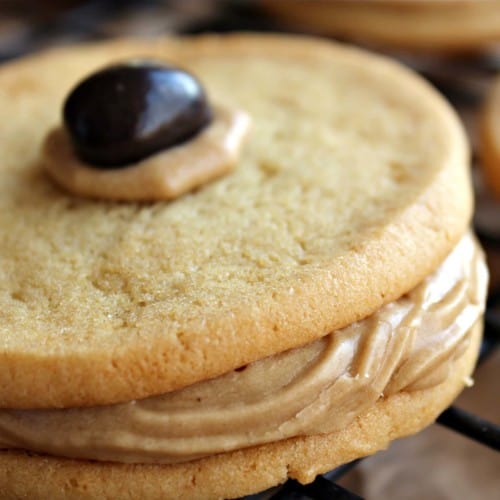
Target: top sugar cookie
(352, 186)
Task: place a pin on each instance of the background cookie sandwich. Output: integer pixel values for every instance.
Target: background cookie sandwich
(436, 25)
(490, 139)
(319, 300)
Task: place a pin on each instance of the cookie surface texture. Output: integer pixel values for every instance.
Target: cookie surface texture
(449, 25)
(231, 475)
(352, 187)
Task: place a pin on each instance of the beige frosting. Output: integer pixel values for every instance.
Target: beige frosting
(163, 176)
(406, 346)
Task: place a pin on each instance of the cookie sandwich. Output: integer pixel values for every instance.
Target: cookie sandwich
(441, 25)
(489, 139)
(226, 261)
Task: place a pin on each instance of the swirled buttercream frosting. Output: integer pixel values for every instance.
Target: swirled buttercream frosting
(407, 345)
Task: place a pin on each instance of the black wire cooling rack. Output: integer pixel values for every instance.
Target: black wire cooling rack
(463, 85)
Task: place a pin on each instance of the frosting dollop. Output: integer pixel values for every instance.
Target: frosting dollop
(162, 176)
(141, 131)
(407, 345)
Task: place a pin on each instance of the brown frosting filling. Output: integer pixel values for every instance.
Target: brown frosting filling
(163, 176)
(407, 345)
